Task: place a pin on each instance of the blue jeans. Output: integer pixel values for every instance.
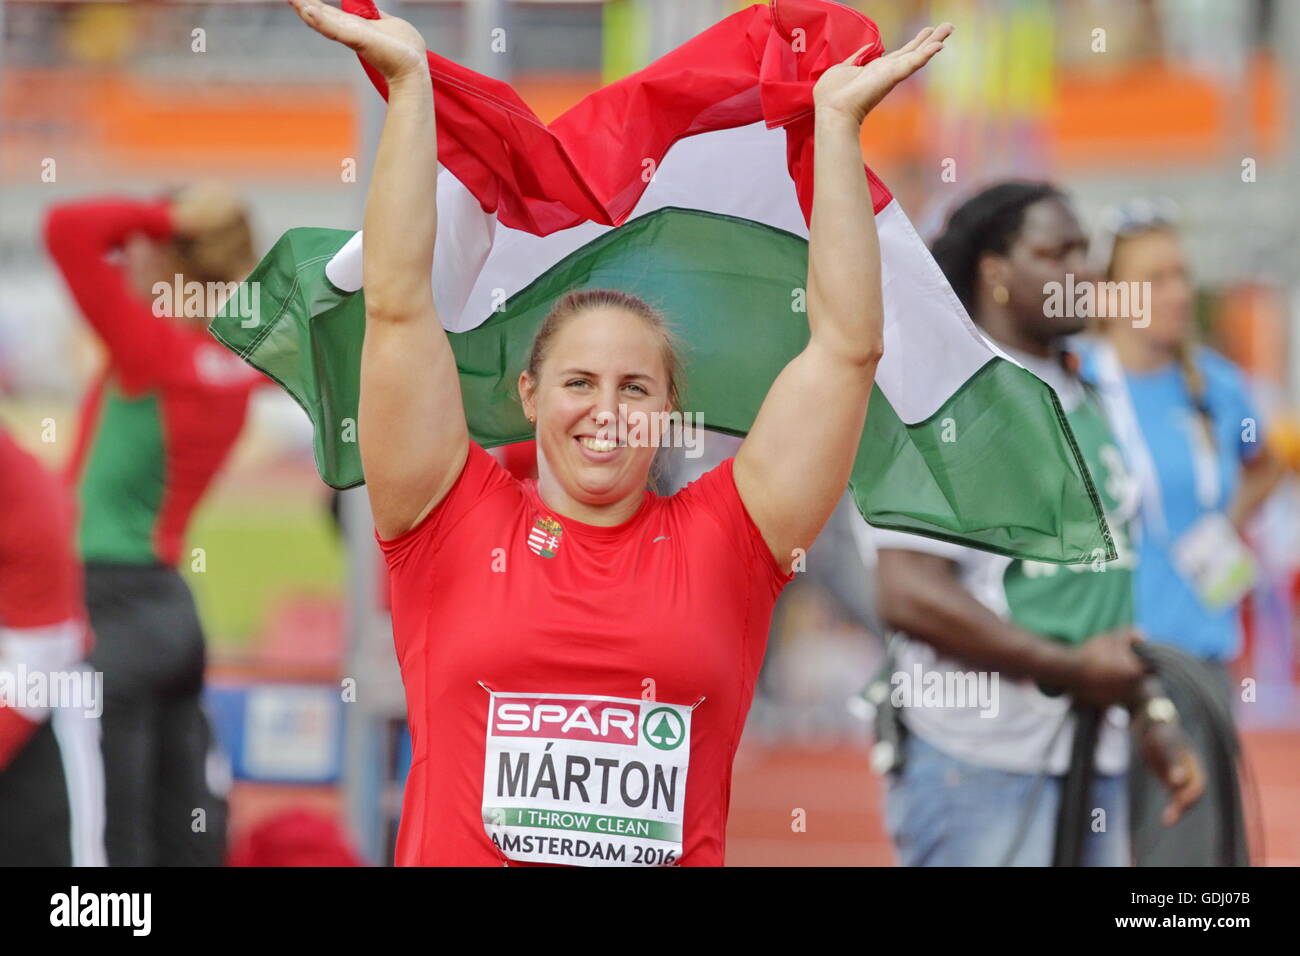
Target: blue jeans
(941, 811)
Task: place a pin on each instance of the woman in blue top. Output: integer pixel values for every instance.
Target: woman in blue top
(1195, 443)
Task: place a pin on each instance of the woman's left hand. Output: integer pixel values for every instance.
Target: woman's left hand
(854, 91)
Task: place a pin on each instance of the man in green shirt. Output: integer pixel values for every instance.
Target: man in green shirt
(980, 782)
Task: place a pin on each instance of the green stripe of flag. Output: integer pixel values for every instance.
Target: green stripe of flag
(996, 467)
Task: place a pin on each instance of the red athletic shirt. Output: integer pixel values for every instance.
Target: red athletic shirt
(618, 664)
(42, 618)
(162, 417)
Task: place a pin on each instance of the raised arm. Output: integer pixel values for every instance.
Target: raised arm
(80, 236)
(796, 461)
(413, 436)
(144, 347)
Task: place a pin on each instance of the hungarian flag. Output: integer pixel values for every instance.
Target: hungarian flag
(690, 185)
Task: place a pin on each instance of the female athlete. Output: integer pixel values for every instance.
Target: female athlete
(578, 652)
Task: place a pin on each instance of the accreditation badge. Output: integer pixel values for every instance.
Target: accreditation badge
(587, 781)
(1213, 558)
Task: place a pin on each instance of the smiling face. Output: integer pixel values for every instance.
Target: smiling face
(603, 375)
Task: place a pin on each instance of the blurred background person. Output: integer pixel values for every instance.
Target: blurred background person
(51, 775)
(982, 783)
(1193, 437)
(155, 427)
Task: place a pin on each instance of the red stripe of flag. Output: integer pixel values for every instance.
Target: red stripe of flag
(588, 164)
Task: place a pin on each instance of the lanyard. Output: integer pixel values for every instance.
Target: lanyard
(1118, 403)
(1205, 464)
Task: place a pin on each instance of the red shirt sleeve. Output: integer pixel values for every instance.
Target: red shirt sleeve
(40, 577)
(715, 492)
(481, 477)
(80, 236)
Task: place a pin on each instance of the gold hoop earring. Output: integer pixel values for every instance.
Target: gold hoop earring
(1000, 295)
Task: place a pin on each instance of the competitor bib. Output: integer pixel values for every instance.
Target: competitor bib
(586, 781)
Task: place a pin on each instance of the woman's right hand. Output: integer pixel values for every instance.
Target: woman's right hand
(391, 45)
(853, 91)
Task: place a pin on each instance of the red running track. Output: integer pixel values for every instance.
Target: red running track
(842, 802)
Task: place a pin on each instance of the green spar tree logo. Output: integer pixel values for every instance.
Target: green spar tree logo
(664, 728)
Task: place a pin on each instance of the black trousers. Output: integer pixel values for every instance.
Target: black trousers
(35, 810)
(156, 741)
